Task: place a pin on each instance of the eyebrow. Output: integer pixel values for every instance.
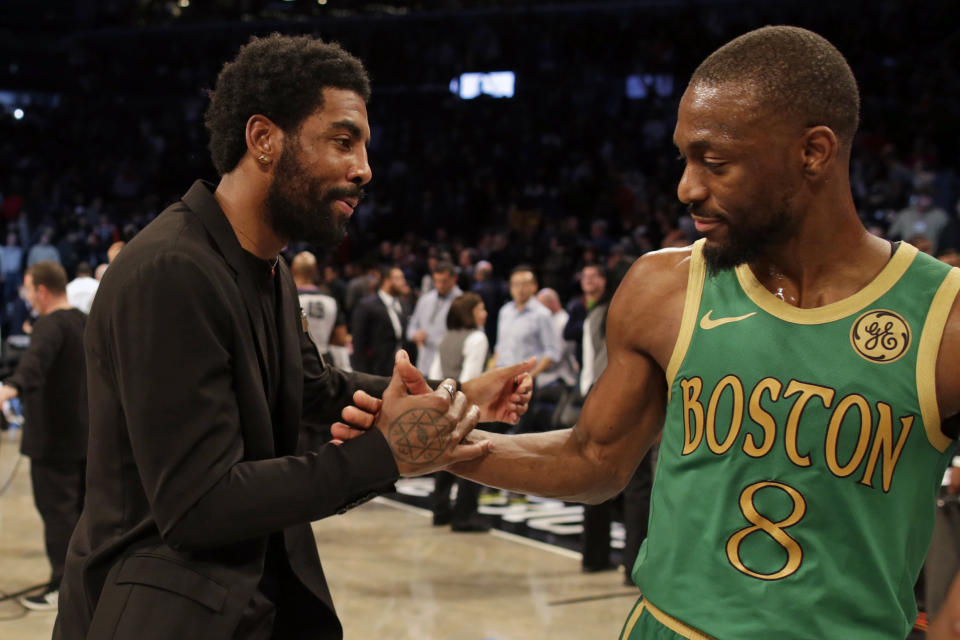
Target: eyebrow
(350, 126)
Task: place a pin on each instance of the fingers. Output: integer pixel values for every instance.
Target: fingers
(366, 402)
(341, 431)
(469, 451)
(458, 403)
(518, 369)
(466, 424)
(413, 380)
(358, 418)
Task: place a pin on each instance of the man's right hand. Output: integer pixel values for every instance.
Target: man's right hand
(419, 337)
(426, 432)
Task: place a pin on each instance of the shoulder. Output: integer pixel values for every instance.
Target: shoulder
(646, 309)
(476, 338)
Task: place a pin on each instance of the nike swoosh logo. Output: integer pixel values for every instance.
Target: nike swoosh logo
(707, 323)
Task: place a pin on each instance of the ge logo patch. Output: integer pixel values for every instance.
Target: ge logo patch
(880, 336)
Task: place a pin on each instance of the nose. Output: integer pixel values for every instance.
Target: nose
(691, 187)
(360, 172)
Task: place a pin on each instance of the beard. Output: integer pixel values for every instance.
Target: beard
(748, 240)
(300, 206)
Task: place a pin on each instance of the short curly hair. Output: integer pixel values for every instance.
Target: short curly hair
(794, 71)
(282, 78)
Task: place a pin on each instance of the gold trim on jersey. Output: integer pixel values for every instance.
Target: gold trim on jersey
(927, 358)
(888, 276)
(664, 618)
(691, 309)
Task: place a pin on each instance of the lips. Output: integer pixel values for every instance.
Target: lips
(705, 224)
(348, 204)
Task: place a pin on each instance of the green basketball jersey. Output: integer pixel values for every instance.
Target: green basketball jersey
(795, 489)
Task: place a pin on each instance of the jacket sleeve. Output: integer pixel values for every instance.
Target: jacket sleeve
(173, 348)
(36, 361)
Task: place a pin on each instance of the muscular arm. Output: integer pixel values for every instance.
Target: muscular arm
(623, 413)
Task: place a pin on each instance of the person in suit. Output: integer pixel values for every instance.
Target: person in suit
(378, 324)
(200, 374)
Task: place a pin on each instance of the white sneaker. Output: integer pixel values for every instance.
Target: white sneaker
(46, 601)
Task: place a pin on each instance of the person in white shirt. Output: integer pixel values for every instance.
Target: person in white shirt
(428, 323)
(82, 289)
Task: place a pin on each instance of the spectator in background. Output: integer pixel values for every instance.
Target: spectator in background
(492, 293)
(564, 370)
(50, 380)
(920, 218)
(325, 324)
(461, 355)
(43, 251)
(378, 324)
(361, 285)
(82, 289)
(11, 262)
(428, 323)
(114, 250)
(593, 283)
(525, 330)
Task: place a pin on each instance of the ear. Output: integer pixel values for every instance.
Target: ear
(820, 150)
(264, 140)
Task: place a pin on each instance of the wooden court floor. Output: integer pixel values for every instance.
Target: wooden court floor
(393, 575)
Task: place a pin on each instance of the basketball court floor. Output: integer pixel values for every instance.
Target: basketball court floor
(392, 574)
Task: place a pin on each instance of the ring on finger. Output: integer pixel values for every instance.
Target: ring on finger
(449, 388)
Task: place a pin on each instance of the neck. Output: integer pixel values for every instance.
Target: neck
(242, 196)
(829, 258)
(58, 304)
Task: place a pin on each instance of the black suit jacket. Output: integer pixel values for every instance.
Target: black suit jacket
(375, 343)
(188, 474)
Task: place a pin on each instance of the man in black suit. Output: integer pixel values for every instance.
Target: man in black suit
(378, 325)
(200, 373)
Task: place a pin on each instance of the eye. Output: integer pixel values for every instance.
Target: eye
(345, 143)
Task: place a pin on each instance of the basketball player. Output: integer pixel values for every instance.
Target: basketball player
(805, 371)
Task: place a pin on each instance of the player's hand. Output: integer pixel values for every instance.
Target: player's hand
(426, 432)
(359, 417)
(503, 394)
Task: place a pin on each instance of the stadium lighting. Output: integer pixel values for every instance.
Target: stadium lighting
(18, 114)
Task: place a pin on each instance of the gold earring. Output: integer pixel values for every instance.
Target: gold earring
(263, 159)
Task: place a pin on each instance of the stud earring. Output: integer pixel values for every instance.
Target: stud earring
(263, 159)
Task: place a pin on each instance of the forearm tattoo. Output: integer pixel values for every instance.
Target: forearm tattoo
(419, 436)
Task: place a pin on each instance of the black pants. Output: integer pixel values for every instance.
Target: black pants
(636, 513)
(58, 489)
(468, 493)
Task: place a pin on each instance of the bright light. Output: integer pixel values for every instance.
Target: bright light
(184, 4)
(321, 1)
(499, 84)
(18, 114)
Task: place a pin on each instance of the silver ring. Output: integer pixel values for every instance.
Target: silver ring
(449, 388)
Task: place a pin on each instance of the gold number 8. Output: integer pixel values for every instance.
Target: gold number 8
(773, 529)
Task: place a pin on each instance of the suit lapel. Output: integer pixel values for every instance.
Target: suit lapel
(201, 201)
(291, 364)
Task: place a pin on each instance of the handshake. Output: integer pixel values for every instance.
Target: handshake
(429, 429)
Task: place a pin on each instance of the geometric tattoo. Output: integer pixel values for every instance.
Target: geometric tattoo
(420, 436)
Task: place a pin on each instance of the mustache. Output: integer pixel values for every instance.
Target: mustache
(338, 193)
